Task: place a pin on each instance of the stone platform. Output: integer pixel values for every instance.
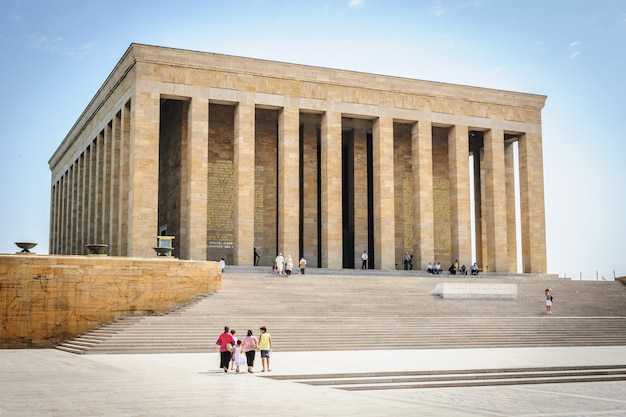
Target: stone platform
(48, 382)
(490, 290)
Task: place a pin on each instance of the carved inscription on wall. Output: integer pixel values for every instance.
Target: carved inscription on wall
(407, 214)
(443, 242)
(220, 194)
(259, 208)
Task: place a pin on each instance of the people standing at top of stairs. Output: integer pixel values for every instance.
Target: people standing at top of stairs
(407, 260)
(302, 265)
(289, 265)
(257, 257)
(549, 299)
(280, 264)
(222, 264)
(364, 260)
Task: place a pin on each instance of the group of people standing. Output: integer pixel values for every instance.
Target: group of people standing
(237, 353)
(285, 265)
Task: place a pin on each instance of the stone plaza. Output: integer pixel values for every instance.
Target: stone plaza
(345, 351)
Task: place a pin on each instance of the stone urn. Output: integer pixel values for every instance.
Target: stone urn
(97, 248)
(163, 250)
(25, 246)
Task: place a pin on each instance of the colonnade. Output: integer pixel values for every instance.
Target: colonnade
(89, 201)
(108, 195)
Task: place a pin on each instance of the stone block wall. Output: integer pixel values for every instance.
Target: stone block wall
(48, 299)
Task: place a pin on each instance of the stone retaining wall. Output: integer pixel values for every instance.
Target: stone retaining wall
(47, 299)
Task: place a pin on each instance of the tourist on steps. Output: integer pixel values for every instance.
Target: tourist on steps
(549, 299)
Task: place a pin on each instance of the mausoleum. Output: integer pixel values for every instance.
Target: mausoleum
(226, 154)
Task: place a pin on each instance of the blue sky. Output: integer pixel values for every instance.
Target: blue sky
(57, 53)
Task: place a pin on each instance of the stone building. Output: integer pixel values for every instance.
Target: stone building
(228, 154)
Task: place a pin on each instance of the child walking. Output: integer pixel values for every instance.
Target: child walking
(240, 358)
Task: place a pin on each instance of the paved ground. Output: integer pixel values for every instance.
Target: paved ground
(48, 382)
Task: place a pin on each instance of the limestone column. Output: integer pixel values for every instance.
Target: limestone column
(144, 174)
(193, 227)
(71, 212)
(100, 175)
(91, 187)
(77, 248)
(289, 182)
(124, 181)
(423, 214)
(80, 173)
(115, 186)
(460, 212)
(331, 198)
(243, 172)
(310, 132)
(107, 178)
(384, 207)
(62, 214)
(54, 219)
(495, 201)
(511, 222)
(532, 203)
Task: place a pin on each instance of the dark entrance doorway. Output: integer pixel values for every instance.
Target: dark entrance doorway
(347, 174)
(350, 257)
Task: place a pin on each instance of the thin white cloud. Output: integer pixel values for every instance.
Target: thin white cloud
(574, 45)
(356, 3)
(438, 10)
(57, 46)
(498, 69)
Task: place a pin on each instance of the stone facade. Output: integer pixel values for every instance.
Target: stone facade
(229, 154)
(47, 299)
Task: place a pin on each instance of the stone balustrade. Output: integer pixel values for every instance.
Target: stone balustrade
(475, 290)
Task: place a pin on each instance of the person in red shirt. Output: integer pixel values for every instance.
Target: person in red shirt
(222, 341)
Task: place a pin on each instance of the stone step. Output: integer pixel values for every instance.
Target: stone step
(340, 312)
(462, 378)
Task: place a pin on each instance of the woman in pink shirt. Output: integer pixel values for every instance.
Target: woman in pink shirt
(250, 344)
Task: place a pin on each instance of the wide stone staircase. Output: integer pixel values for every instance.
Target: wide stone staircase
(371, 310)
